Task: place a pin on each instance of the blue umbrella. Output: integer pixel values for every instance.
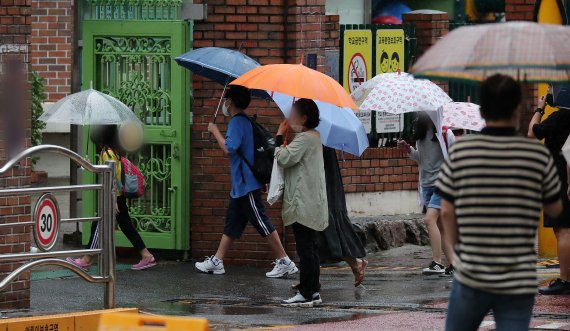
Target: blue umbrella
(339, 128)
(221, 65)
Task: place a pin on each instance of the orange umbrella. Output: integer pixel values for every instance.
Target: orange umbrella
(297, 81)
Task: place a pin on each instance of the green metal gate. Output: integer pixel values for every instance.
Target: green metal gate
(128, 52)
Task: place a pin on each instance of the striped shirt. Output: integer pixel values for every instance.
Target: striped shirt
(498, 182)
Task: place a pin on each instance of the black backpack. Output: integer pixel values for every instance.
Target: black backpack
(263, 151)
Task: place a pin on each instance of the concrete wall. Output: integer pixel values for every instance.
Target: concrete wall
(54, 134)
(382, 203)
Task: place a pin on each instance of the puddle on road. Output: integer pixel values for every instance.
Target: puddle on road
(352, 317)
(202, 308)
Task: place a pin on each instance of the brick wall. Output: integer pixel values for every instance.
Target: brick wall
(523, 10)
(271, 32)
(52, 51)
(431, 25)
(15, 28)
(378, 170)
(519, 10)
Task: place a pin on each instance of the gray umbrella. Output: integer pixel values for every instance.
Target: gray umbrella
(89, 107)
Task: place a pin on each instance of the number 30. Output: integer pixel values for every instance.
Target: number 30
(47, 222)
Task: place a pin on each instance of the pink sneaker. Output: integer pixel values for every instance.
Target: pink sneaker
(79, 263)
(144, 264)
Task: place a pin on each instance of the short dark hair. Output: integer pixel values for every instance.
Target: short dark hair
(106, 136)
(422, 124)
(239, 95)
(500, 97)
(308, 107)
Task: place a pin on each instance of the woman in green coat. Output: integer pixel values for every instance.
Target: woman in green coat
(304, 196)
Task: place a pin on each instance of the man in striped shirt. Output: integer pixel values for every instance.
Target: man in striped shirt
(493, 187)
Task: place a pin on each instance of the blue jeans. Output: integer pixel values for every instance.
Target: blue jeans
(431, 198)
(467, 307)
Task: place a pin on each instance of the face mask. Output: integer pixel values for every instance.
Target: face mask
(225, 109)
(550, 99)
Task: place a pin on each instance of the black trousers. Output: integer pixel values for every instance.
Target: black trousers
(308, 252)
(125, 224)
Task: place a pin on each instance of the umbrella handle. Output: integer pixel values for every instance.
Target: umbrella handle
(210, 136)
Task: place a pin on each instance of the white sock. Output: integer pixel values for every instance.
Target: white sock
(216, 260)
(286, 260)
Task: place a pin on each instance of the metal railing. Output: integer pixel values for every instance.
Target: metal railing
(105, 216)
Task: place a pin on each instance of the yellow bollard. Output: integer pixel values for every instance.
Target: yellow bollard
(136, 322)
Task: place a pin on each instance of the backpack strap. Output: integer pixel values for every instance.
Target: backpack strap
(249, 165)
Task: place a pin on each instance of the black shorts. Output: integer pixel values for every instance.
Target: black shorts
(562, 221)
(247, 208)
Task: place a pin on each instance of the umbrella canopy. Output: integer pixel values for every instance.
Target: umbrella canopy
(528, 51)
(399, 93)
(462, 115)
(89, 107)
(297, 81)
(221, 65)
(339, 128)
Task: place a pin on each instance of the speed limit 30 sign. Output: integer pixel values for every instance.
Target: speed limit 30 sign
(46, 219)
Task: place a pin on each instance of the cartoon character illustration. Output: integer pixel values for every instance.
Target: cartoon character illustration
(384, 62)
(395, 62)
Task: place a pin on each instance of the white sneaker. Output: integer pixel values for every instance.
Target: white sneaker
(298, 301)
(282, 269)
(434, 269)
(210, 266)
(317, 299)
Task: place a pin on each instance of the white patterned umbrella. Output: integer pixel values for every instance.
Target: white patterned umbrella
(89, 107)
(462, 115)
(398, 93)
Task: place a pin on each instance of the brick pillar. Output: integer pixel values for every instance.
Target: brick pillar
(519, 10)
(523, 10)
(52, 45)
(272, 32)
(431, 25)
(15, 28)
(310, 31)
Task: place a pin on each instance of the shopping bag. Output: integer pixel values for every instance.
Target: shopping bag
(276, 184)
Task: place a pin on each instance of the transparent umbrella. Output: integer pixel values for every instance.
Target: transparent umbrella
(89, 107)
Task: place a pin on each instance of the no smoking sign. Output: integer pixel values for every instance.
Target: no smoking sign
(357, 72)
(46, 219)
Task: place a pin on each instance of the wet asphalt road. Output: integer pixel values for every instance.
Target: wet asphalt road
(394, 296)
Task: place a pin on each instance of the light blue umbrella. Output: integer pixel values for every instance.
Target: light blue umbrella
(221, 65)
(339, 128)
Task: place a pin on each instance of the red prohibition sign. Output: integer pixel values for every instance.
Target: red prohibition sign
(46, 217)
(356, 78)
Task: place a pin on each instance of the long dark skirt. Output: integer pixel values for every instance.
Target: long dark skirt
(339, 240)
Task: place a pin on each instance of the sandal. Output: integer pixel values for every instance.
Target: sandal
(359, 274)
